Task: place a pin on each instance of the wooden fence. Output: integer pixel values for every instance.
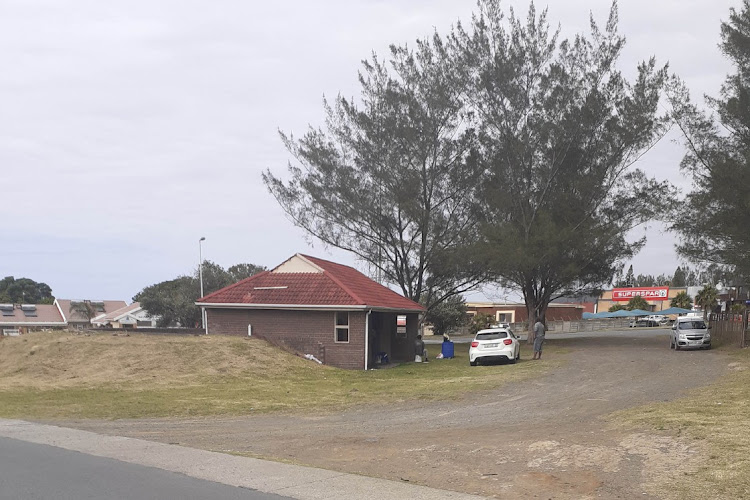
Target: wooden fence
(581, 325)
(729, 329)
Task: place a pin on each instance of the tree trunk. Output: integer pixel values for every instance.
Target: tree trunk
(531, 309)
(536, 306)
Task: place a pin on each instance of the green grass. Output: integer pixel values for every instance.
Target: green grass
(64, 376)
(718, 417)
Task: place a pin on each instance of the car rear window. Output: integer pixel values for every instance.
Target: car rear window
(692, 325)
(491, 335)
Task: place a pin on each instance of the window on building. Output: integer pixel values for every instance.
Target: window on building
(342, 327)
(401, 326)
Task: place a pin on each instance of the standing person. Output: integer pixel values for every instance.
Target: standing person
(539, 332)
(420, 353)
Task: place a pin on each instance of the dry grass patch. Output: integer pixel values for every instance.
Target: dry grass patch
(719, 418)
(50, 375)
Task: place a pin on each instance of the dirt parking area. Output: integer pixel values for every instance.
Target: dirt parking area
(545, 438)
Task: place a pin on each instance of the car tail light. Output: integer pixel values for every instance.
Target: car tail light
(507, 341)
(475, 344)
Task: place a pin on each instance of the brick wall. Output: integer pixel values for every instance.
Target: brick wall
(303, 331)
(555, 312)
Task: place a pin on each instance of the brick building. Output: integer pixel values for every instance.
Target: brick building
(657, 298)
(517, 313)
(318, 307)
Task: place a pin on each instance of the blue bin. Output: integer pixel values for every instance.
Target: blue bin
(447, 349)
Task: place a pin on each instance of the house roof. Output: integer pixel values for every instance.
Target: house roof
(117, 314)
(42, 315)
(74, 316)
(308, 282)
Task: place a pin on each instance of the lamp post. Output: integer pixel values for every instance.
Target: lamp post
(200, 275)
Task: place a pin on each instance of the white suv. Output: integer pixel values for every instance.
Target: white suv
(494, 344)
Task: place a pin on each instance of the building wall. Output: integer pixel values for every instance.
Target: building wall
(306, 332)
(605, 301)
(517, 313)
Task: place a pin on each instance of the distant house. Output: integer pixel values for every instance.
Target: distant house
(321, 308)
(132, 316)
(74, 319)
(20, 318)
(517, 313)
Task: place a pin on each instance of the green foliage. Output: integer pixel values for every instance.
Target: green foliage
(84, 308)
(679, 278)
(447, 315)
(714, 219)
(502, 134)
(561, 131)
(480, 321)
(173, 301)
(24, 291)
(215, 277)
(649, 280)
(682, 300)
(707, 299)
(392, 177)
(617, 307)
(638, 302)
(738, 308)
(239, 272)
(630, 277)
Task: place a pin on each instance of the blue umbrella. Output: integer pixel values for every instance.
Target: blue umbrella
(675, 310)
(640, 312)
(622, 313)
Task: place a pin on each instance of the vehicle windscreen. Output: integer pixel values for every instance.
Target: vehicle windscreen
(491, 335)
(692, 325)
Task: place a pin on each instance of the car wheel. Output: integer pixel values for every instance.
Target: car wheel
(671, 343)
(513, 361)
(708, 347)
(676, 346)
(473, 363)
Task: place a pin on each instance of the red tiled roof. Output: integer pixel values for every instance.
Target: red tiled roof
(336, 285)
(46, 314)
(75, 316)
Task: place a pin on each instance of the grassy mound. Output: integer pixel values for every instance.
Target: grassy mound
(50, 375)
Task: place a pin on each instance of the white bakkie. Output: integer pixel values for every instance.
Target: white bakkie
(494, 344)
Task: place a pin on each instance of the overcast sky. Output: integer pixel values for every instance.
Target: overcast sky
(129, 128)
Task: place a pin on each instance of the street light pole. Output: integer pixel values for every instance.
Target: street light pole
(200, 275)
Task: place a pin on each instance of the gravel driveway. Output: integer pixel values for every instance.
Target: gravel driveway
(543, 438)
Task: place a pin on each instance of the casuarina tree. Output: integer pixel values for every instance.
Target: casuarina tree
(561, 129)
(713, 222)
(392, 176)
